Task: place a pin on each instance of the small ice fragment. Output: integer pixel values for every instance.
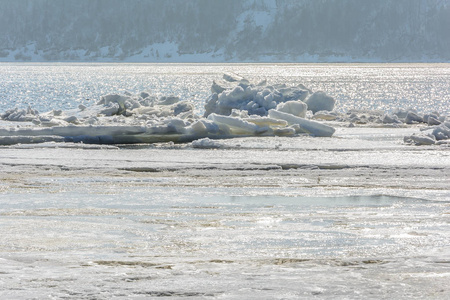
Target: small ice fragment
(57, 112)
(320, 101)
(267, 122)
(235, 125)
(390, 119)
(286, 131)
(441, 132)
(325, 115)
(433, 121)
(412, 118)
(72, 119)
(296, 108)
(231, 77)
(308, 126)
(420, 139)
(169, 100)
(206, 143)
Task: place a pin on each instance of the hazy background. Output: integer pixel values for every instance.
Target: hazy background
(225, 30)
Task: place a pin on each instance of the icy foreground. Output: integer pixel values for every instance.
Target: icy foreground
(357, 215)
(235, 108)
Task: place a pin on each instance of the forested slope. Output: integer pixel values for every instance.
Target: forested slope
(231, 30)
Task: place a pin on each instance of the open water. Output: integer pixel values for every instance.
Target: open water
(424, 87)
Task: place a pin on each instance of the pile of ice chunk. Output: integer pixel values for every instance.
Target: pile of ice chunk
(236, 107)
(438, 134)
(235, 92)
(398, 117)
(20, 115)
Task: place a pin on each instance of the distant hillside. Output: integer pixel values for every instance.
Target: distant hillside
(220, 31)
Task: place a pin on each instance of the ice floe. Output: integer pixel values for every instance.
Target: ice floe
(206, 143)
(235, 108)
(439, 134)
(320, 101)
(235, 92)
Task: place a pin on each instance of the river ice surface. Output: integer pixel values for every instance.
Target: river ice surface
(358, 215)
(278, 218)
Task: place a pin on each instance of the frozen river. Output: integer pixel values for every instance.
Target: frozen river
(357, 215)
